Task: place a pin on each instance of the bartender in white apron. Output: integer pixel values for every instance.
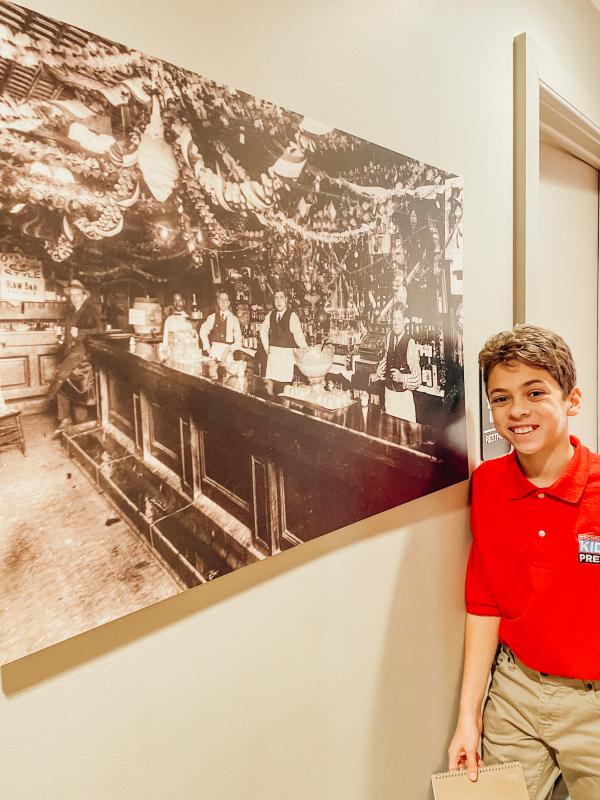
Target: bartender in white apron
(221, 333)
(281, 333)
(177, 320)
(399, 369)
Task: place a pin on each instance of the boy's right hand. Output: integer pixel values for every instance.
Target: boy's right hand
(462, 752)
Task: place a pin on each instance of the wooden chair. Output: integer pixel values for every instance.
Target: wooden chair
(11, 431)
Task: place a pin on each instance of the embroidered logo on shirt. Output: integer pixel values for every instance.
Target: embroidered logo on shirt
(589, 548)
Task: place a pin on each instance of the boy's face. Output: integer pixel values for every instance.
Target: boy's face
(529, 409)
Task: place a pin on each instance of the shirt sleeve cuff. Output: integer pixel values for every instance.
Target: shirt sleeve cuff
(483, 609)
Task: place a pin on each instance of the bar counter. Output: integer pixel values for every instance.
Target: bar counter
(283, 473)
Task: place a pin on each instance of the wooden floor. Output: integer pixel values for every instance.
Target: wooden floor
(63, 569)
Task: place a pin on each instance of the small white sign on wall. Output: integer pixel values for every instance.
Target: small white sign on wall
(137, 316)
(21, 278)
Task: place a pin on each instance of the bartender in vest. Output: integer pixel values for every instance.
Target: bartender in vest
(399, 369)
(221, 333)
(280, 334)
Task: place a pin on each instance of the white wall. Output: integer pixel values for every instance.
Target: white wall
(332, 670)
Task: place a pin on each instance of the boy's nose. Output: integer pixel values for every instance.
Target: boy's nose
(518, 411)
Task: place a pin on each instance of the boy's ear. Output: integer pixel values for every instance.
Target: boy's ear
(575, 400)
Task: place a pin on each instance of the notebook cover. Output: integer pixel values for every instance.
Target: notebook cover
(495, 782)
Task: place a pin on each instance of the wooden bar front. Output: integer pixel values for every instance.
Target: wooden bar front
(284, 474)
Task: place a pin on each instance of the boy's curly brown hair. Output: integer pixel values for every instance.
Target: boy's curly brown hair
(532, 345)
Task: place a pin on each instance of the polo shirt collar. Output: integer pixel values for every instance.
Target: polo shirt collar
(569, 486)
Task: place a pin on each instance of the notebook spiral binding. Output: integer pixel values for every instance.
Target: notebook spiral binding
(461, 773)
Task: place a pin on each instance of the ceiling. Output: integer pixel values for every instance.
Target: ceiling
(20, 81)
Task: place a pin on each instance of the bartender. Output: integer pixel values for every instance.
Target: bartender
(280, 333)
(221, 333)
(178, 320)
(399, 369)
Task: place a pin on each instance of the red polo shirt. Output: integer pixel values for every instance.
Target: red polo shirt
(535, 562)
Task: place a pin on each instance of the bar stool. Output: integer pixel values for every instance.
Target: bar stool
(11, 431)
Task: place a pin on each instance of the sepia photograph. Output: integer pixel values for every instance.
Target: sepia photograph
(226, 329)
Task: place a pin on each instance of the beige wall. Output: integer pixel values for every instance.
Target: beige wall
(330, 671)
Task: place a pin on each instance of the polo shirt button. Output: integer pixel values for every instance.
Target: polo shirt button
(541, 496)
(541, 533)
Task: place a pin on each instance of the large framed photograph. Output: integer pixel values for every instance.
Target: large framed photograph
(226, 329)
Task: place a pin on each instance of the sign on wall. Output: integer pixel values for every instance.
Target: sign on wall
(21, 279)
(492, 444)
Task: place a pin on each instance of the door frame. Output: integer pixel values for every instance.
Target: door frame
(551, 105)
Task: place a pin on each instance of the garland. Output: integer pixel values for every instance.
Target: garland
(380, 195)
(26, 151)
(95, 57)
(71, 198)
(60, 250)
(102, 273)
(188, 101)
(282, 224)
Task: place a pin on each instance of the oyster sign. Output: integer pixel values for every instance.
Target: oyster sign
(21, 279)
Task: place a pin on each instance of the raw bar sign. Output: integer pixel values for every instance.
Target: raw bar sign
(21, 278)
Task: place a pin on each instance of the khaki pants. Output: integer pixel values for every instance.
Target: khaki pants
(550, 724)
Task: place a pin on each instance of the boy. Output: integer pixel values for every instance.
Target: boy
(533, 578)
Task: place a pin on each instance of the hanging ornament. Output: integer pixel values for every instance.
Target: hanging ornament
(303, 208)
(127, 202)
(291, 163)
(156, 158)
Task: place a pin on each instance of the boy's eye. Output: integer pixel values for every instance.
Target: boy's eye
(537, 393)
(499, 399)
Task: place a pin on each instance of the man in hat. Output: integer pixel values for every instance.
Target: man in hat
(82, 321)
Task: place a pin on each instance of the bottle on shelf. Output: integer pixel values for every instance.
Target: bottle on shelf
(196, 313)
(422, 365)
(434, 373)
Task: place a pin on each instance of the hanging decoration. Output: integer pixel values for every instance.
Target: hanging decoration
(127, 135)
(155, 157)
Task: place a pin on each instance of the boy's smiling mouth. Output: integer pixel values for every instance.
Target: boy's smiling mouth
(523, 430)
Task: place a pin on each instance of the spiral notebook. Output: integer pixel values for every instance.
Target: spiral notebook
(495, 782)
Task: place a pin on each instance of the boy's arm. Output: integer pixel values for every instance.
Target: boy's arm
(481, 642)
